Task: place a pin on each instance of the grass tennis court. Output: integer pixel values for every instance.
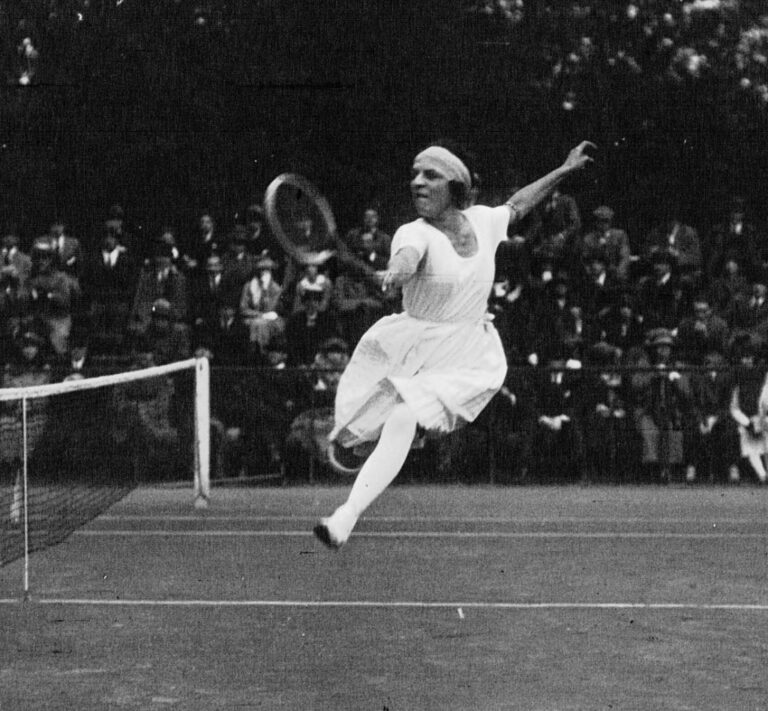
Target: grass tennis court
(451, 597)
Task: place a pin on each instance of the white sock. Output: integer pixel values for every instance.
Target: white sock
(386, 460)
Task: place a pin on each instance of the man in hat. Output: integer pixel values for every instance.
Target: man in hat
(238, 265)
(369, 243)
(109, 283)
(205, 242)
(612, 240)
(67, 248)
(167, 339)
(661, 297)
(661, 395)
(559, 436)
(681, 240)
(712, 443)
(731, 290)
(599, 290)
(556, 227)
(562, 322)
(703, 332)
(206, 292)
(604, 412)
(261, 243)
(737, 234)
(159, 279)
(622, 326)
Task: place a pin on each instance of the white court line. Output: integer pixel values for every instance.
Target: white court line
(442, 519)
(412, 534)
(398, 604)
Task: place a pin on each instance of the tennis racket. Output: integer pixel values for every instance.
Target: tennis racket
(303, 224)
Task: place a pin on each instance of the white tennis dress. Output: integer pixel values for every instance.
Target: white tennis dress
(442, 355)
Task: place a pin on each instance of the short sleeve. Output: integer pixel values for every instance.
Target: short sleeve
(410, 235)
(492, 221)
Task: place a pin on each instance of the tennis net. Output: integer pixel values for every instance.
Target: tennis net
(70, 450)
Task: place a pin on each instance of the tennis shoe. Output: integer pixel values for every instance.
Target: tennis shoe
(335, 530)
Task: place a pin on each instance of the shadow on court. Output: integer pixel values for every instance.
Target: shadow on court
(445, 598)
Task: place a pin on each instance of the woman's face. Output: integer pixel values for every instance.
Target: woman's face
(430, 190)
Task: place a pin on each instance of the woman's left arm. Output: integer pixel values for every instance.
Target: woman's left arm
(525, 199)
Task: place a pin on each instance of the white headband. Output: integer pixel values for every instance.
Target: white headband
(449, 164)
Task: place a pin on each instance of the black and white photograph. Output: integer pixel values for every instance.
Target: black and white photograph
(383, 356)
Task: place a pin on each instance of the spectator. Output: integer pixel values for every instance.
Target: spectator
(76, 366)
(558, 228)
(310, 322)
(356, 303)
(14, 301)
(327, 366)
(702, 333)
(226, 341)
(604, 413)
(159, 279)
(54, 296)
(165, 337)
(67, 249)
(736, 236)
(15, 263)
(261, 242)
(205, 243)
(117, 224)
(109, 282)
(751, 314)
(238, 266)
(710, 442)
(512, 427)
(661, 296)
(146, 420)
(369, 243)
(562, 321)
(599, 290)
(623, 325)
(515, 303)
(168, 238)
(18, 435)
(729, 290)
(612, 240)
(259, 302)
(749, 406)
(683, 244)
(206, 293)
(559, 432)
(310, 429)
(662, 405)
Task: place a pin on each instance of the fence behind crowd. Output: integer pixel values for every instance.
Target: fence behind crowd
(546, 425)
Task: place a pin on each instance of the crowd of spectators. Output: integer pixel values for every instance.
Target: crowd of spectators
(623, 349)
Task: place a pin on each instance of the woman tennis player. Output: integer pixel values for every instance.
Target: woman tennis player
(437, 364)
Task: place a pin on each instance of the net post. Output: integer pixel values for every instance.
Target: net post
(202, 490)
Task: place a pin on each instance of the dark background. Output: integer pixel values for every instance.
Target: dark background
(169, 107)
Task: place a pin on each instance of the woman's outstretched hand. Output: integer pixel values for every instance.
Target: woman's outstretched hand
(578, 158)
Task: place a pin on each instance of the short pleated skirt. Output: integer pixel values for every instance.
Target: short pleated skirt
(446, 372)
